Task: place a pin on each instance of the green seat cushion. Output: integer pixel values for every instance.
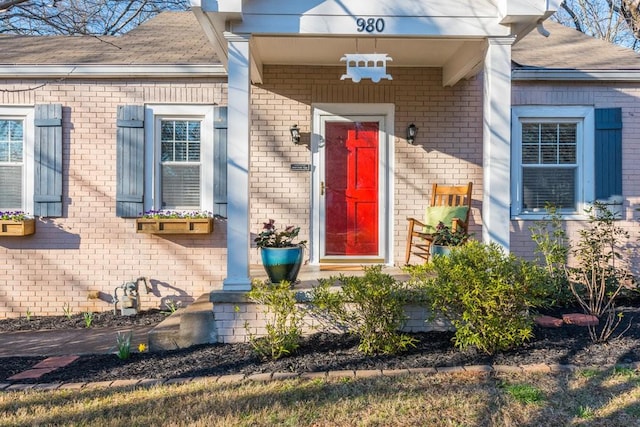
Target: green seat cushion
(444, 214)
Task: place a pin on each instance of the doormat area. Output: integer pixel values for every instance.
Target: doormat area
(334, 267)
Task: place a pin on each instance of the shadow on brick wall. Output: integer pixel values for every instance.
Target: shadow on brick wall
(48, 235)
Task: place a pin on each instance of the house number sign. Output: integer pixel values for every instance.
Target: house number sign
(370, 25)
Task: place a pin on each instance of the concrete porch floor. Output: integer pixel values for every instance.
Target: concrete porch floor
(309, 274)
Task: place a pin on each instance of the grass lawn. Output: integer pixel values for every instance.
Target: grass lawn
(582, 398)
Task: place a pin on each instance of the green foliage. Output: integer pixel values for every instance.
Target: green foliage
(284, 330)
(371, 307)
(623, 371)
(485, 294)
(446, 236)
(168, 214)
(13, 215)
(597, 278)
(66, 309)
(88, 318)
(28, 314)
(270, 237)
(172, 306)
(552, 243)
(589, 373)
(585, 412)
(123, 342)
(524, 393)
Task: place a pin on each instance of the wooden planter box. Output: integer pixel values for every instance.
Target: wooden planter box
(24, 227)
(174, 225)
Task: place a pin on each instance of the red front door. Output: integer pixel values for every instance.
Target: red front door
(351, 188)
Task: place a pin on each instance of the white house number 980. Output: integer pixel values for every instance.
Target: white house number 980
(370, 25)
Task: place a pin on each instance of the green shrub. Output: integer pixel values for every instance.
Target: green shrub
(284, 330)
(552, 244)
(598, 278)
(123, 343)
(485, 294)
(370, 307)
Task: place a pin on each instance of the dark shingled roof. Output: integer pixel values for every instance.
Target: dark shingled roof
(176, 38)
(171, 38)
(567, 48)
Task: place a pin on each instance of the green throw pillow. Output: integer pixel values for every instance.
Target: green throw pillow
(444, 214)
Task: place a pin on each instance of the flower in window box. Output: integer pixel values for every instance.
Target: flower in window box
(175, 222)
(16, 223)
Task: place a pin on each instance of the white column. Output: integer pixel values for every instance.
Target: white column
(238, 160)
(496, 199)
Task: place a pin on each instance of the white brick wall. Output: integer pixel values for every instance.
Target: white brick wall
(89, 248)
(448, 149)
(237, 322)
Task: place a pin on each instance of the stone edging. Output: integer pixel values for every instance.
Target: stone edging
(276, 376)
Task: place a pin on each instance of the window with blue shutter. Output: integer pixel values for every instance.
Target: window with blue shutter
(184, 152)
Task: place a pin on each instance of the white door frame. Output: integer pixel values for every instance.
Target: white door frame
(360, 112)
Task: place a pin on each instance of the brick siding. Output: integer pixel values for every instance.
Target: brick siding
(90, 249)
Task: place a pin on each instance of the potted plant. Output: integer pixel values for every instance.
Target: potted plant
(16, 223)
(281, 256)
(444, 238)
(175, 222)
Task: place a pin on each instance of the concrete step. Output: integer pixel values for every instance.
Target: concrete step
(188, 326)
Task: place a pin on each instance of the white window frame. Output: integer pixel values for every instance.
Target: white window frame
(584, 117)
(26, 114)
(153, 116)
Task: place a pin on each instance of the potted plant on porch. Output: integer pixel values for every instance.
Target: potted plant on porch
(281, 256)
(445, 237)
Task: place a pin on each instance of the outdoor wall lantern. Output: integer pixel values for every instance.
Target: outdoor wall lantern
(295, 134)
(412, 131)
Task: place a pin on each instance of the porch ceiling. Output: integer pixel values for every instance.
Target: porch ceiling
(406, 52)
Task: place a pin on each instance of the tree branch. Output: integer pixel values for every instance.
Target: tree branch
(574, 17)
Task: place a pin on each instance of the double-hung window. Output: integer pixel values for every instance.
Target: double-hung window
(180, 181)
(16, 159)
(552, 160)
(179, 157)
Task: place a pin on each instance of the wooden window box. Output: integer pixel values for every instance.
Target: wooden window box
(24, 227)
(174, 225)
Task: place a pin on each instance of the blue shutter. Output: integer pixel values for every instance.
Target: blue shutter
(220, 162)
(130, 161)
(47, 196)
(608, 152)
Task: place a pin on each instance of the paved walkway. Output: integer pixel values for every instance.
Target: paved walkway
(68, 341)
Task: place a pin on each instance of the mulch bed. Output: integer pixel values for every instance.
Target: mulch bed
(569, 345)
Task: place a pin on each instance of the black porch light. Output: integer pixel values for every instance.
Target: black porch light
(295, 134)
(412, 131)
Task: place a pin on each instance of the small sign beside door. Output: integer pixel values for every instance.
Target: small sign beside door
(300, 167)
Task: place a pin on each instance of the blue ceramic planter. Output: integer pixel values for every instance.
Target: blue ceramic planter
(438, 250)
(282, 263)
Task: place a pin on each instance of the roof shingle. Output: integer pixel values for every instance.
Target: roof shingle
(566, 48)
(171, 38)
